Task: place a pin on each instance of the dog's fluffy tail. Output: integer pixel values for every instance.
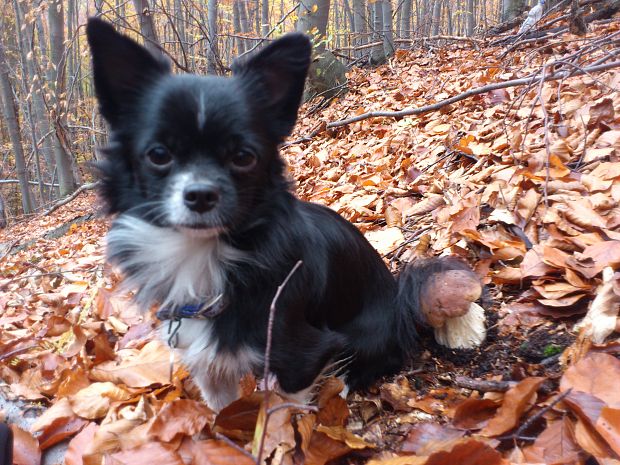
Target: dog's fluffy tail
(411, 281)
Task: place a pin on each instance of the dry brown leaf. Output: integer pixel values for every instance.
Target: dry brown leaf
(93, 401)
(555, 445)
(60, 410)
(596, 374)
(25, 448)
(183, 416)
(323, 449)
(470, 452)
(147, 454)
(213, 452)
(241, 414)
(139, 368)
(517, 401)
(608, 426)
(590, 441)
(428, 437)
(78, 445)
(474, 413)
(595, 258)
(340, 433)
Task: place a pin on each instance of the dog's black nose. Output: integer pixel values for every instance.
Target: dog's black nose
(200, 197)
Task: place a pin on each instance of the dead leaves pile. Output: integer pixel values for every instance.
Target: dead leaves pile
(521, 182)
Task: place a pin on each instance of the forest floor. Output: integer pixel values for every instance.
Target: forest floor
(523, 182)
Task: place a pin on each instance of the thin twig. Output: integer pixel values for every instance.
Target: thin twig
(531, 420)
(234, 445)
(270, 322)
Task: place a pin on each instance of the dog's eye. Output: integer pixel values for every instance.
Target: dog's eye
(159, 156)
(243, 160)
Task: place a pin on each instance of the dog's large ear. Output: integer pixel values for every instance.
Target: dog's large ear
(122, 69)
(274, 79)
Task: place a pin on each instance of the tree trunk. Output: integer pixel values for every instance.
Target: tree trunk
(470, 18)
(359, 23)
(265, 18)
(212, 56)
(9, 108)
(147, 26)
(244, 20)
(237, 27)
(179, 21)
(388, 34)
(377, 53)
(405, 20)
(436, 17)
(41, 122)
(55, 15)
(326, 72)
(512, 8)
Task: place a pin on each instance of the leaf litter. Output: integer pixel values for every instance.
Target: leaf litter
(520, 182)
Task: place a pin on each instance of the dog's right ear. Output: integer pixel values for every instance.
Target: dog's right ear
(122, 69)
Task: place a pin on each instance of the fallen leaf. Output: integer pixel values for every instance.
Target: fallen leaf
(555, 445)
(596, 374)
(183, 416)
(25, 448)
(139, 368)
(147, 454)
(517, 400)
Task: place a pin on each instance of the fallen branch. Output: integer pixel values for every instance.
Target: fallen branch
(482, 385)
(66, 200)
(530, 80)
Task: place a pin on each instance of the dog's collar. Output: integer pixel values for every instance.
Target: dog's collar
(201, 311)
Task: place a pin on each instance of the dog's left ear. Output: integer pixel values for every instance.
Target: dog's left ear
(274, 79)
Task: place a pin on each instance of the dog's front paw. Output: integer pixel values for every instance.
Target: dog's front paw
(447, 302)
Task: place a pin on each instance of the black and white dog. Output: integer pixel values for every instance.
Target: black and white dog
(207, 227)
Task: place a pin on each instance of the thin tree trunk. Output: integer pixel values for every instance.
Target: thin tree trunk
(470, 18)
(377, 53)
(436, 17)
(265, 18)
(147, 26)
(237, 27)
(359, 23)
(41, 124)
(244, 20)
(55, 15)
(388, 34)
(405, 19)
(9, 108)
(213, 54)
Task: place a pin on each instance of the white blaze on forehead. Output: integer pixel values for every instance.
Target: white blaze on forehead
(201, 115)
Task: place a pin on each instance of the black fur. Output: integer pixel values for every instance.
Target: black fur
(343, 302)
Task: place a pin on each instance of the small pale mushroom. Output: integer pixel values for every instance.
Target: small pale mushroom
(602, 317)
(448, 305)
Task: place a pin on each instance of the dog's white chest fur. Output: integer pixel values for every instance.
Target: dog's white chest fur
(171, 268)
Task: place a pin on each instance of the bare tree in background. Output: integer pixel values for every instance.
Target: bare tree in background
(326, 72)
(9, 109)
(147, 27)
(55, 17)
(405, 19)
(512, 8)
(212, 51)
(265, 18)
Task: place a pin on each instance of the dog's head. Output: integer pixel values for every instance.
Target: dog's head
(194, 153)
